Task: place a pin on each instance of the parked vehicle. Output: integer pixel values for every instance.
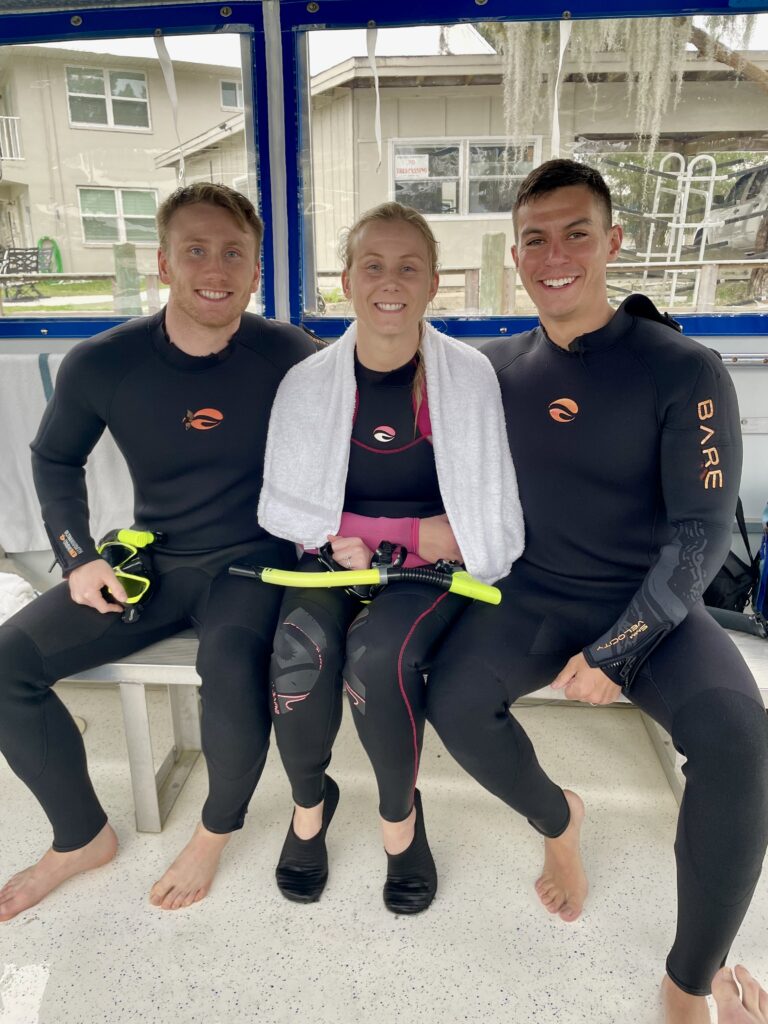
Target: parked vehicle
(740, 220)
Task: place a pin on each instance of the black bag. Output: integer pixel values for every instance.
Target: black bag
(733, 586)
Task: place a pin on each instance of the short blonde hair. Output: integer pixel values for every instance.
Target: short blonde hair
(241, 208)
(386, 213)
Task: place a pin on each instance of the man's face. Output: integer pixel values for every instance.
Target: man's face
(563, 246)
(211, 265)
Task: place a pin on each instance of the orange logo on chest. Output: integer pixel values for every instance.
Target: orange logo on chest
(203, 419)
(563, 410)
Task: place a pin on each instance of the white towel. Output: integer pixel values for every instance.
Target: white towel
(308, 447)
(22, 402)
(14, 594)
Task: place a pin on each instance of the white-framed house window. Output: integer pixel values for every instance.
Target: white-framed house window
(106, 98)
(110, 215)
(460, 177)
(231, 95)
(427, 176)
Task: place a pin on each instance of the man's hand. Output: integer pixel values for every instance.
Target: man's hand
(436, 540)
(350, 552)
(85, 585)
(580, 682)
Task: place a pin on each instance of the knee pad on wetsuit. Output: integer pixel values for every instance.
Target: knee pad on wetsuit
(21, 665)
(22, 677)
(297, 659)
(233, 664)
(372, 664)
(723, 735)
(354, 685)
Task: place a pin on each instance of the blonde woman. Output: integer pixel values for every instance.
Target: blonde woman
(393, 433)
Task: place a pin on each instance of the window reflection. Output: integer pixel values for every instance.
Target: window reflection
(89, 150)
(468, 111)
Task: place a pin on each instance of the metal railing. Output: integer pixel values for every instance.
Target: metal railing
(10, 138)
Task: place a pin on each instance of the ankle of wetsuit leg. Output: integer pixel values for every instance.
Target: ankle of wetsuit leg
(549, 832)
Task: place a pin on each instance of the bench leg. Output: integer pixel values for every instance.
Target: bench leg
(154, 794)
(139, 741)
(185, 715)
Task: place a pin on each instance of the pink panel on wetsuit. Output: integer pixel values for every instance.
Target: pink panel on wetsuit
(372, 530)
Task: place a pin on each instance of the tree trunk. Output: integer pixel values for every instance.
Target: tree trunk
(709, 47)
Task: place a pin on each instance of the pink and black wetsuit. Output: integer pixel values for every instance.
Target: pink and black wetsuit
(379, 652)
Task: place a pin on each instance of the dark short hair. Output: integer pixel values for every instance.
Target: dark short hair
(241, 208)
(555, 174)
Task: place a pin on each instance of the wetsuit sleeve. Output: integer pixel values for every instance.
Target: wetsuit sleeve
(700, 462)
(69, 429)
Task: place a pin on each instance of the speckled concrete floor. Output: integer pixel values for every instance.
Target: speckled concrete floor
(97, 952)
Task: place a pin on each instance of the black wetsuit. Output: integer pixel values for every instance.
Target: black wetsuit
(383, 648)
(193, 432)
(627, 448)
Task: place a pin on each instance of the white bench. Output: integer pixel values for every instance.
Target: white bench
(171, 663)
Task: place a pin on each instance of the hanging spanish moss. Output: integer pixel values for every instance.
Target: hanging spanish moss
(529, 72)
(655, 50)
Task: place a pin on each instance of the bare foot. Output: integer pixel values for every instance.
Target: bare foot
(32, 885)
(562, 885)
(398, 835)
(307, 821)
(682, 1008)
(751, 1007)
(189, 878)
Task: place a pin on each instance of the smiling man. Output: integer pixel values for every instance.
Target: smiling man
(187, 395)
(627, 445)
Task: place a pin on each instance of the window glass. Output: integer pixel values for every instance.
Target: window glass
(670, 111)
(128, 86)
(125, 106)
(87, 111)
(495, 173)
(99, 212)
(232, 95)
(89, 151)
(85, 80)
(129, 104)
(758, 183)
(98, 201)
(427, 177)
(118, 215)
(84, 85)
(739, 190)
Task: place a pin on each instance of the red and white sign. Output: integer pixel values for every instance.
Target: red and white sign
(411, 165)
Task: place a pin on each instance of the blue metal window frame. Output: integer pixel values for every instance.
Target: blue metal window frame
(296, 16)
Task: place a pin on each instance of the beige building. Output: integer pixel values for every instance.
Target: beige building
(79, 137)
(443, 137)
(89, 145)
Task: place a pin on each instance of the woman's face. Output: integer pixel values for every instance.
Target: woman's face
(390, 281)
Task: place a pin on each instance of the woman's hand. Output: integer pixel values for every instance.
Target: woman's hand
(436, 540)
(85, 585)
(350, 552)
